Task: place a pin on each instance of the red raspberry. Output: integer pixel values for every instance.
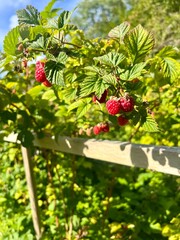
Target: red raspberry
(97, 129)
(122, 120)
(126, 104)
(105, 127)
(102, 99)
(113, 106)
(47, 83)
(40, 75)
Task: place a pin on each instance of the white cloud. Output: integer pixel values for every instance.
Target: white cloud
(13, 21)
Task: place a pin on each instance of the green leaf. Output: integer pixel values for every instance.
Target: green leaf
(35, 91)
(64, 18)
(6, 60)
(35, 31)
(110, 79)
(170, 68)
(92, 70)
(41, 44)
(150, 125)
(139, 42)
(52, 23)
(168, 51)
(48, 12)
(82, 106)
(62, 57)
(24, 31)
(112, 59)
(54, 72)
(30, 15)
(134, 72)
(10, 41)
(88, 86)
(93, 84)
(49, 95)
(69, 94)
(119, 31)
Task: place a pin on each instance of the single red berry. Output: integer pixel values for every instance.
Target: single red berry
(47, 83)
(113, 106)
(102, 99)
(105, 127)
(126, 104)
(40, 75)
(122, 120)
(97, 129)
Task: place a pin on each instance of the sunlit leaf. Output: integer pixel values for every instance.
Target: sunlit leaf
(134, 72)
(139, 42)
(112, 59)
(10, 41)
(150, 125)
(119, 31)
(54, 72)
(30, 15)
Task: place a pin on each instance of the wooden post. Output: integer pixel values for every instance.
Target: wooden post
(28, 166)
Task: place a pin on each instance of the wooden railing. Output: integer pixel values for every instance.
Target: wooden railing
(156, 158)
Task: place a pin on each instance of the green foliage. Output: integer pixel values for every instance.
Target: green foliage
(81, 198)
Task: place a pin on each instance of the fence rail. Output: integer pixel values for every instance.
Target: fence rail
(157, 158)
(162, 159)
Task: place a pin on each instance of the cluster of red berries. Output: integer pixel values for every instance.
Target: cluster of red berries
(101, 127)
(115, 106)
(119, 106)
(40, 75)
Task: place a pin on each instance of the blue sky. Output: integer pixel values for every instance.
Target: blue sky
(8, 10)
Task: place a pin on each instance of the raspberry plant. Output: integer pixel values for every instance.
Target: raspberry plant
(81, 74)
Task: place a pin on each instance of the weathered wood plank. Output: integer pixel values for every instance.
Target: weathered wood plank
(32, 191)
(157, 158)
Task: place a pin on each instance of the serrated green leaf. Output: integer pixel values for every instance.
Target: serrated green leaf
(112, 59)
(139, 42)
(69, 94)
(134, 72)
(93, 84)
(54, 72)
(49, 95)
(48, 12)
(150, 125)
(82, 109)
(119, 31)
(52, 23)
(24, 31)
(100, 87)
(92, 70)
(62, 57)
(170, 68)
(88, 85)
(30, 15)
(41, 44)
(168, 51)
(10, 41)
(64, 18)
(110, 79)
(82, 106)
(35, 31)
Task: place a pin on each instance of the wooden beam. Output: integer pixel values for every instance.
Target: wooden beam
(28, 166)
(157, 158)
